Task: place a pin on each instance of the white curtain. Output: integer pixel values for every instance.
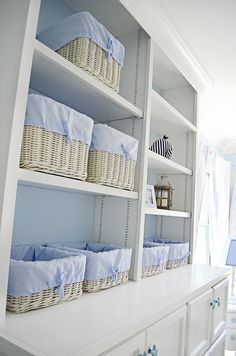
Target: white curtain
(201, 169)
(232, 220)
(219, 190)
(212, 207)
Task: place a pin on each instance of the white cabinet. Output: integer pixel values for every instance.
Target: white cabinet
(122, 321)
(198, 324)
(169, 334)
(206, 319)
(166, 337)
(201, 324)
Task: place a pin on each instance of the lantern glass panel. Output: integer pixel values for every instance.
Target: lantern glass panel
(164, 203)
(165, 193)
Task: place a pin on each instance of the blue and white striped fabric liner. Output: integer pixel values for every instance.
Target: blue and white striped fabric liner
(107, 139)
(102, 260)
(163, 147)
(82, 24)
(36, 268)
(46, 113)
(155, 255)
(177, 249)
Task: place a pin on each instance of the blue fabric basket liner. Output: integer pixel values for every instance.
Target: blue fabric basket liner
(155, 255)
(46, 113)
(105, 138)
(82, 24)
(177, 249)
(102, 260)
(36, 268)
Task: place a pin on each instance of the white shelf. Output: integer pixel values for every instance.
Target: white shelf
(56, 77)
(162, 165)
(164, 212)
(165, 118)
(44, 180)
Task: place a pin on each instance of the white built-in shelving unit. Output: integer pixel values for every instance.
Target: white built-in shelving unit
(155, 98)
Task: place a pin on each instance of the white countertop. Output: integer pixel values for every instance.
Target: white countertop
(95, 322)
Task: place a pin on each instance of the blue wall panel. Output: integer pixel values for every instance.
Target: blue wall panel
(44, 215)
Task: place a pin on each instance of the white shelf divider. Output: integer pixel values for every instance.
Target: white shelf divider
(44, 180)
(58, 78)
(162, 165)
(164, 212)
(164, 117)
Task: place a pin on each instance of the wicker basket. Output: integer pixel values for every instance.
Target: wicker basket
(104, 283)
(86, 54)
(177, 263)
(111, 169)
(43, 299)
(178, 251)
(56, 138)
(49, 152)
(154, 259)
(107, 265)
(152, 270)
(48, 276)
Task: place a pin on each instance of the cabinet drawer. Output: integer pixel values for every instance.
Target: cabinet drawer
(218, 348)
(230, 339)
(231, 320)
(132, 347)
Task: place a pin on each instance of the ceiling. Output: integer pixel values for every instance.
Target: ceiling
(208, 28)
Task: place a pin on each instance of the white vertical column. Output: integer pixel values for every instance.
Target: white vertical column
(18, 23)
(143, 165)
(194, 165)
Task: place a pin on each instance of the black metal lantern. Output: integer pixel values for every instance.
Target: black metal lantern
(164, 194)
